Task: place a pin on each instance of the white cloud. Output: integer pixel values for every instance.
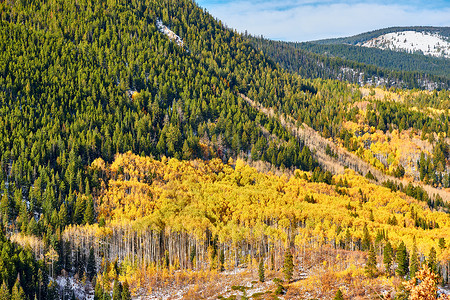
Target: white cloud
(311, 20)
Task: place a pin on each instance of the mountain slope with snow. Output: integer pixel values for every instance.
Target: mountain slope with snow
(424, 42)
(423, 50)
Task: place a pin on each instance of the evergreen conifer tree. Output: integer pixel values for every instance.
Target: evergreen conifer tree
(17, 292)
(4, 292)
(261, 271)
(339, 295)
(371, 264)
(402, 260)
(126, 295)
(90, 268)
(222, 260)
(288, 267)
(366, 242)
(78, 215)
(387, 257)
(272, 261)
(432, 260)
(414, 261)
(98, 292)
(117, 290)
(89, 214)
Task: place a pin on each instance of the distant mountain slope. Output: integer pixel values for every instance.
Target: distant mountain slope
(313, 61)
(363, 37)
(426, 43)
(389, 59)
(395, 48)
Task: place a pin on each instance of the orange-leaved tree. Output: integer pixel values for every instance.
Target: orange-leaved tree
(424, 285)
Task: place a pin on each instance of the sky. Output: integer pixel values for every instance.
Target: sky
(307, 20)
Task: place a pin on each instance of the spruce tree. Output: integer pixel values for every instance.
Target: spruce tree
(272, 261)
(288, 267)
(402, 260)
(371, 264)
(62, 215)
(414, 261)
(78, 215)
(442, 243)
(17, 291)
(4, 292)
(221, 260)
(117, 290)
(432, 260)
(339, 295)
(89, 214)
(98, 291)
(126, 295)
(261, 270)
(90, 268)
(387, 257)
(366, 242)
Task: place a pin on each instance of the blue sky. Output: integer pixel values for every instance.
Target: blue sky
(305, 20)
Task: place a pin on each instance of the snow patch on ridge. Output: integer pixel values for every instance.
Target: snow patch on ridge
(164, 29)
(427, 43)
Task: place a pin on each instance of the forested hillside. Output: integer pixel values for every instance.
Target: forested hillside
(82, 82)
(356, 64)
(342, 59)
(363, 37)
(387, 59)
(196, 216)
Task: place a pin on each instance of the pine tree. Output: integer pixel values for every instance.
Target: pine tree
(387, 257)
(366, 242)
(79, 210)
(98, 292)
(432, 260)
(126, 295)
(288, 267)
(371, 264)
(17, 291)
(339, 295)
(4, 292)
(272, 261)
(261, 271)
(117, 290)
(222, 260)
(62, 215)
(414, 261)
(442, 243)
(90, 268)
(89, 214)
(402, 260)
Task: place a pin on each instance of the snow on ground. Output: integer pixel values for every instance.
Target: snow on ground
(81, 291)
(412, 41)
(164, 29)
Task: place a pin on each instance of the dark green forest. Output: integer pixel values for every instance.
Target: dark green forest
(346, 63)
(398, 61)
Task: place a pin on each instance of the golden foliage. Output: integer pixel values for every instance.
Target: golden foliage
(236, 203)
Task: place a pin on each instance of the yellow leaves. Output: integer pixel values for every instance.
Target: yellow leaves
(238, 203)
(51, 255)
(99, 164)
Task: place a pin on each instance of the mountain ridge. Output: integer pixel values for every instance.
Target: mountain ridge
(365, 36)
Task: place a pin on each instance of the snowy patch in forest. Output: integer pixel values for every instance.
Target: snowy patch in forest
(164, 29)
(427, 43)
(68, 285)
